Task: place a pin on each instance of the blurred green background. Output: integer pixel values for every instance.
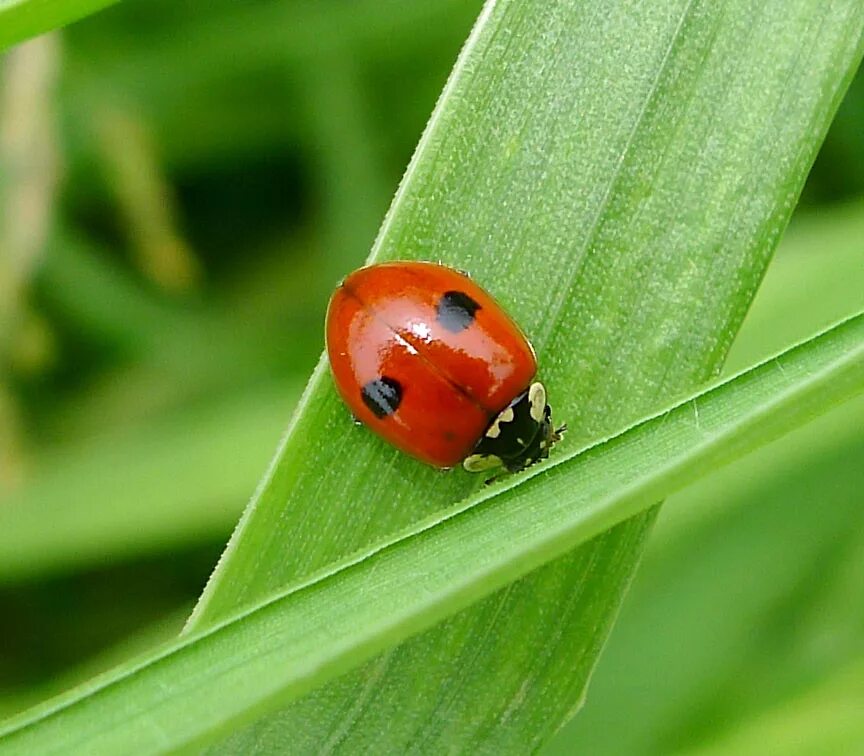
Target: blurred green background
(176, 203)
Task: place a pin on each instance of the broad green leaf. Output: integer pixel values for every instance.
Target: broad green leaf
(201, 685)
(22, 19)
(618, 174)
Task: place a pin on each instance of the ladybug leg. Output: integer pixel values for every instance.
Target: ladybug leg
(481, 462)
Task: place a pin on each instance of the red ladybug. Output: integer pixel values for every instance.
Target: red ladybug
(431, 363)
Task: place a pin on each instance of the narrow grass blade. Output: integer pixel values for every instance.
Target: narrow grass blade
(742, 597)
(22, 19)
(200, 686)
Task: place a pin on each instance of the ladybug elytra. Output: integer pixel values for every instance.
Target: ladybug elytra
(429, 361)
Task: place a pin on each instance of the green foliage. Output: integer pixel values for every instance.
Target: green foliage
(130, 509)
(643, 187)
(21, 19)
(190, 690)
(750, 592)
(617, 175)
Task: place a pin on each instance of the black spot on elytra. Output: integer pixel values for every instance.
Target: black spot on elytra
(456, 311)
(382, 396)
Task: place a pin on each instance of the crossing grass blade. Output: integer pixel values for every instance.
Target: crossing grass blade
(192, 690)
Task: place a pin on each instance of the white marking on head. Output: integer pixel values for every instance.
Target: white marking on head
(505, 417)
(537, 401)
(481, 462)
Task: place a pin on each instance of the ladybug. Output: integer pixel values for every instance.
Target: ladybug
(429, 361)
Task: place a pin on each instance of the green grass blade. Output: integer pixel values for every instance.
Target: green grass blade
(738, 587)
(618, 174)
(743, 576)
(202, 685)
(822, 249)
(22, 19)
(95, 524)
